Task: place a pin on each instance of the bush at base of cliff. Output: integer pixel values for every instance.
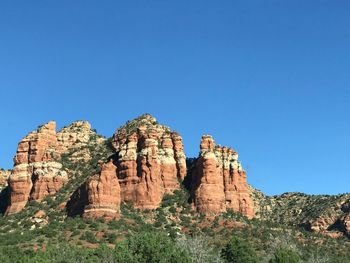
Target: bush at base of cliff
(237, 251)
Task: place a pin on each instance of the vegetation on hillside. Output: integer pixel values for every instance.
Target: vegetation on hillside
(172, 233)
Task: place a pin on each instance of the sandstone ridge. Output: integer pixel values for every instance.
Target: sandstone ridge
(147, 162)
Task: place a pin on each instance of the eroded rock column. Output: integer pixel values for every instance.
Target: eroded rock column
(219, 181)
(36, 172)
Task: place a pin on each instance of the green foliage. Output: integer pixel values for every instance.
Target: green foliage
(179, 198)
(150, 247)
(284, 255)
(237, 251)
(89, 237)
(110, 237)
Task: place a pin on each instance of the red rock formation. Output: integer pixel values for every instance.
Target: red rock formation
(36, 174)
(20, 185)
(179, 155)
(103, 194)
(48, 179)
(4, 175)
(321, 224)
(332, 219)
(151, 161)
(237, 193)
(209, 196)
(219, 182)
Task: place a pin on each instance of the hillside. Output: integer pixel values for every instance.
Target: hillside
(78, 189)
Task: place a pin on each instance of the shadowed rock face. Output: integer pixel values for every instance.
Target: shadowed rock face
(103, 194)
(36, 174)
(150, 161)
(219, 182)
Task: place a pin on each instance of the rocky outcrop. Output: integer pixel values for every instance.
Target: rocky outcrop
(36, 172)
(219, 182)
(150, 160)
(335, 218)
(73, 138)
(103, 193)
(325, 214)
(37, 169)
(345, 223)
(4, 175)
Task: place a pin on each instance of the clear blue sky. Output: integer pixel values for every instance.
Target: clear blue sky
(269, 78)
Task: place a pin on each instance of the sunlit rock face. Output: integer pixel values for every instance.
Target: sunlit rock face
(219, 181)
(36, 172)
(147, 162)
(150, 160)
(103, 194)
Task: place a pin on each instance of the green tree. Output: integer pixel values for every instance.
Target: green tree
(150, 247)
(238, 251)
(284, 255)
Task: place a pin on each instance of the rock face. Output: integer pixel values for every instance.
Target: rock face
(36, 172)
(103, 193)
(150, 160)
(335, 218)
(4, 175)
(219, 182)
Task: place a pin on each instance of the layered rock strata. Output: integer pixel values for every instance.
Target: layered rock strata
(219, 181)
(150, 160)
(36, 172)
(103, 193)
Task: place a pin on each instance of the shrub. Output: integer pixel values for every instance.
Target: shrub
(89, 237)
(150, 247)
(284, 255)
(110, 237)
(237, 251)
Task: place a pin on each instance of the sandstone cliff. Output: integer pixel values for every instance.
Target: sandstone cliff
(36, 172)
(150, 160)
(37, 168)
(103, 193)
(219, 181)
